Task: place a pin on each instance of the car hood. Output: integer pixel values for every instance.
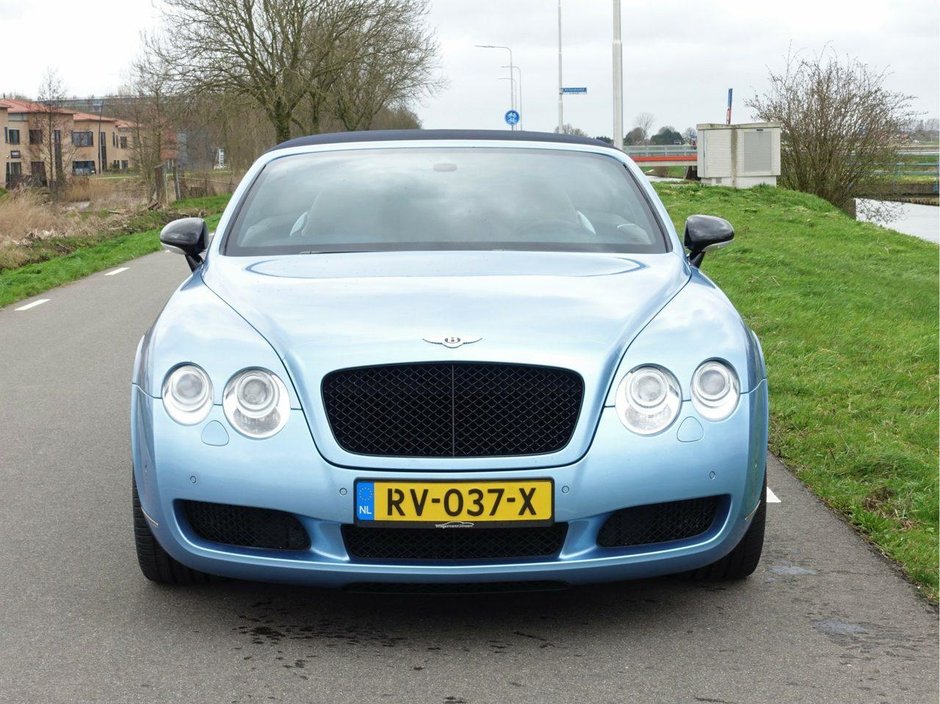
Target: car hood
(323, 312)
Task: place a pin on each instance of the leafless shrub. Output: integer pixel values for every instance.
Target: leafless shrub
(840, 125)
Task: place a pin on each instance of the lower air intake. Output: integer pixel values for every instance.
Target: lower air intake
(453, 543)
(659, 523)
(245, 526)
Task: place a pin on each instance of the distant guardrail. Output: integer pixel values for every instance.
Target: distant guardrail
(660, 150)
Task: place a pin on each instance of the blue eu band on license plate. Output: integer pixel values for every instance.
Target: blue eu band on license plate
(445, 503)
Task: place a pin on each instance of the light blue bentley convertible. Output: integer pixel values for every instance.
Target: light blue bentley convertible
(447, 357)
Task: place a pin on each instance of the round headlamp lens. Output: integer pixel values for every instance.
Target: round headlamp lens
(648, 400)
(715, 390)
(187, 394)
(648, 388)
(256, 393)
(256, 403)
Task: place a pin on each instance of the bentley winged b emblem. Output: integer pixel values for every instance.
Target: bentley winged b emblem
(452, 341)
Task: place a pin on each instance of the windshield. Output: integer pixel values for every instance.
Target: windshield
(444, 199)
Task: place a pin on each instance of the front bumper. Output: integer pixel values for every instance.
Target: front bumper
(173, 463)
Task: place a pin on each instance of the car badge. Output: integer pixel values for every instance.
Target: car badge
(452, 341)
(454, 524)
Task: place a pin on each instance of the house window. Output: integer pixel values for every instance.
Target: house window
(14, 171)
(57, 136)
(124, 164)
(37, 170)
(13, 136)
(122, 142)
(83, 168)
(83, 139)
(35, 136)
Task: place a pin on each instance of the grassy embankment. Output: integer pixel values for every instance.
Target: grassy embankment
(59, 260)
(847, 315)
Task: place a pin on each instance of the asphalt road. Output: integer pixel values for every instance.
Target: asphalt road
(824, 619)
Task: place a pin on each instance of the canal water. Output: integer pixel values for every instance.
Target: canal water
(921, 221)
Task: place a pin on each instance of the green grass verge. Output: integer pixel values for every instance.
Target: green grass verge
(89, 255)
(847, 315)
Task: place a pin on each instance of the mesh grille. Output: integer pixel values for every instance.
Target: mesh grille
(452, 410)
(246, 527)
(658, 523)
(453, 544)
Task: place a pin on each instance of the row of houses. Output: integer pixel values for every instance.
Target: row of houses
(45, 143)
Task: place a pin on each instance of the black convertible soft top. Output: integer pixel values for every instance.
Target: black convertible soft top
(399, 135)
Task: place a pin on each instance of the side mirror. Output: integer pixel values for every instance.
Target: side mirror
(186, 236)
(704, 233)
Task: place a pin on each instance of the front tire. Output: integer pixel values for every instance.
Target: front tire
(741, 562)
(155, 562)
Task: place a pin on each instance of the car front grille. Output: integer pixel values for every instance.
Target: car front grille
(453, 543)
(245, 527)
(452, 409)
(659, 523)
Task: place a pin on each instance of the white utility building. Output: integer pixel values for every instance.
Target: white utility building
(739, 156)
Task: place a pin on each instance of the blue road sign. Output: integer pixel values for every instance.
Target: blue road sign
(576, 89)
(512, 117)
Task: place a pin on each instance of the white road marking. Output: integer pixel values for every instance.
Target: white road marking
(117, 271)
(33, 304)
(772, 497)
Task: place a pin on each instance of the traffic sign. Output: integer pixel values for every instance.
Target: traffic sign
(512, 117)
(576, 89)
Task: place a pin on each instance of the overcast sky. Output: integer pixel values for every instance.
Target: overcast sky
(679, 58)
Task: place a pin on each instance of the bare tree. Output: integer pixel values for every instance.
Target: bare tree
(568, 128)
(49, 140)
(389, 62)
(150, 107)
(645, 122)
(288, 56)
(840, 126)
(635, 136)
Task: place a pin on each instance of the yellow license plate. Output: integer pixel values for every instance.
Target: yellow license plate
(457, 504)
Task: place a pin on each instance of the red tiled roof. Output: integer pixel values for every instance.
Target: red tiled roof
(14, 106)
(86, 116)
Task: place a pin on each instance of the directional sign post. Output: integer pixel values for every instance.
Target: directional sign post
(574, 90)
(512, 117)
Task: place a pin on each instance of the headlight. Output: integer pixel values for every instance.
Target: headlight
(648, 400)
(187, 394)
(715, 390)
(256, 403)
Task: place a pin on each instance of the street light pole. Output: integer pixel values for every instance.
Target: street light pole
(512, 76)
(618, 79)
(561, 104)
(520, 90)
(97, 139)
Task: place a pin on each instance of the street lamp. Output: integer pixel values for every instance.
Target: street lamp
(618, 79)
(561, 104)
(512, 78)
(520, 89)
(97, 140)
